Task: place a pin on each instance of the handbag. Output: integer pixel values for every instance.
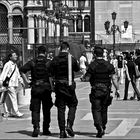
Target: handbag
(136, 71)
(7, 79)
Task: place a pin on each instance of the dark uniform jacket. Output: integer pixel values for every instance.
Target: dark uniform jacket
(29, 66)
(59, 70)
(100, 71)
(59, 66)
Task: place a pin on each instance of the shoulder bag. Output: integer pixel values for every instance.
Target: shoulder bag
(7, 79)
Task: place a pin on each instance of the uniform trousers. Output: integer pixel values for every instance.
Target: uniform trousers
(99, 110)
(63, 100)
(38, 97)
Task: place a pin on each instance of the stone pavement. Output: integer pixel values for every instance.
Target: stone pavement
(124, 119)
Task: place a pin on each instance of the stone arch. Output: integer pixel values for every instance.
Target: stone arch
(17, 10)
(6, 4)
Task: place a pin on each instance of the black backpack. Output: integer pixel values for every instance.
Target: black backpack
(41, 68)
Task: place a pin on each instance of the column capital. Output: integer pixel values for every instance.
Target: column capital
(57, 21)
(83, 16)
(31, 16)
(10, 17)
(40, 17)
(50, 19)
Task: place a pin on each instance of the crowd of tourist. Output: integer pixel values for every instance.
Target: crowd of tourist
(124, 64)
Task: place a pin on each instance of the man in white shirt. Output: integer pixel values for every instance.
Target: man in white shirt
(10, 105)
(83, 65)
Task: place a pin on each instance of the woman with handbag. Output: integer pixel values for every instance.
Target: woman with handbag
(10, 78)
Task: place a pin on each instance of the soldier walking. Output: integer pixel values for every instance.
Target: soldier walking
(65, 93)
(100, 73)
(40, 90)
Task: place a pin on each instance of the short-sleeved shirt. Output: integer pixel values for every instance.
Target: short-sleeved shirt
(83, 61)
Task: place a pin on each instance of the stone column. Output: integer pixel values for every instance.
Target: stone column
(50, 30)
(57, 31)
(31, 31)
(53, 28)
(75, 25)
(44, 29)
(10, 26)
(47, 30)
(65, 28)
(40, 29)
(43, 26)
(83, 23)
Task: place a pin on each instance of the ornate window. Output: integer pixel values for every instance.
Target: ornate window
(3, 19)
(71, 25)
(87, 23)
(79, 24)
(17, 23)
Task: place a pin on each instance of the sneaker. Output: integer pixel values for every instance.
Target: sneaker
(19, 115)
(5, 115)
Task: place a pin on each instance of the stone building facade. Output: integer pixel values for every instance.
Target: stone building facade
(24, 23)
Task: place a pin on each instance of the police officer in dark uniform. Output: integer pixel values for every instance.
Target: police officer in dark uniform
(40, 90)
(65, 94)
(100, 73)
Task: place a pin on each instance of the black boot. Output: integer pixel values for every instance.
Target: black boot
(46, 129)
(104, 130)
(69, 129)
(63, 134)
(46, 132)
(35, 132)
(100, 132)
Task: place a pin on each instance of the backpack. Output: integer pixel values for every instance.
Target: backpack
(40, 68)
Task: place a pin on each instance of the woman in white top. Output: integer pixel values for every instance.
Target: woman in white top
(83, 65)
(10, 105)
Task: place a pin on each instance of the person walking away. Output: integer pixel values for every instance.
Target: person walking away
(100, 73)
(83, 65)
(40, 90)
(10, 105)
(131, 71)
(120, 69)
(137, 62)
(65, 93)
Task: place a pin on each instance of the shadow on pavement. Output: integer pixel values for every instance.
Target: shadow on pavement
(29, 133)
(25, 132)
(86, 134)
